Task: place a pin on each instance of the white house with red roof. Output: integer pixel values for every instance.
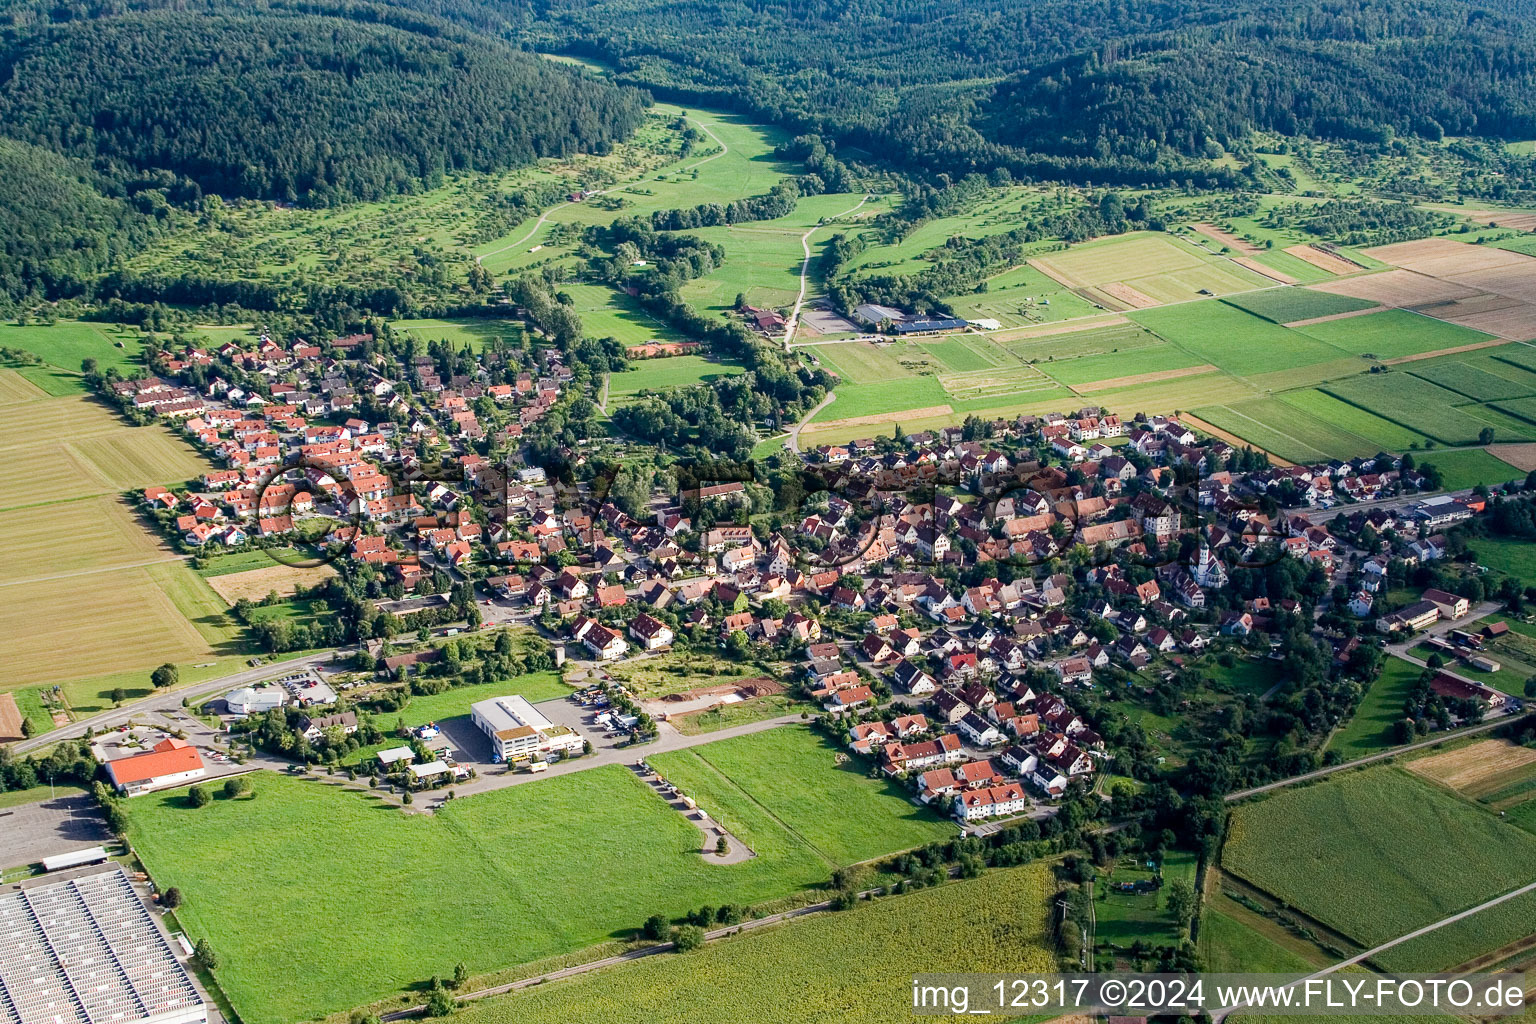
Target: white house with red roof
(171, 762)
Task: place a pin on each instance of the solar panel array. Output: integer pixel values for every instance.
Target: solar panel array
(86, 951)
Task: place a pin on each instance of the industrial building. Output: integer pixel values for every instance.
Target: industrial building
(170, 762)
(519, 733)
(87, 951)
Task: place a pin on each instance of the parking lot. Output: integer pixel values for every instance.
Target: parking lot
(30, 832)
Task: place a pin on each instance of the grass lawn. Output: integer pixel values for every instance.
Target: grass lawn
(1370, 729)
(1470, 467)
(791, 776)
(491, 880)
(30, 704)
(678, 670)
(996, 922)
(454, 703)
(257, 558)
(1365, 853)
(1229, 946)
(667, 372)
(1514, 557)
(724, 716)
(474, 332)
(1122, 918)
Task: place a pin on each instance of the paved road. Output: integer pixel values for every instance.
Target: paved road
(805, 269)
(794, 431)
(1443, 737)
(1416, 933)
(170, 700)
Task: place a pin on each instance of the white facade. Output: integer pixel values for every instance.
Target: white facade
(519, 733)
(251, 701)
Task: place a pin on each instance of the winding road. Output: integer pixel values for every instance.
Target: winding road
(805, 268)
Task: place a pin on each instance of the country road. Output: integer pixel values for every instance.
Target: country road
(805, 269)
(169, 700)
(1444, 737)
(544, 218)
(794, 431)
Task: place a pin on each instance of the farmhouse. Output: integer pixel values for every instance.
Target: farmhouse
(171, 762)
(519, 733)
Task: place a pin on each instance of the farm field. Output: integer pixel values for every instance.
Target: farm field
(104, 534)
(1392, 334)
(1470, 467)
(490, 880)
(1238, 342)
(1091, 339)
(66, 343)
(1151, 359)
(833, 809)
(1291, 433)
(1369, 730)
(1287, 305)
(255, 584)
(1488, 381)
(1144, 269)
(1414, 403)
(1019, 297)
(1478, 770)
(1364, 853)
(993, 923)
(1383, 435)
(666, 372)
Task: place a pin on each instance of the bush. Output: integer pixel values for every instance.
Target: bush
(236, 787)
(171, 898)
(197, 796)
(655, 928)
(688, 937)
(439, 1003)
(203, 956)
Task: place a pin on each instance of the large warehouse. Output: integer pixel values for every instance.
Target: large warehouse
(86, 951)
(519, 733)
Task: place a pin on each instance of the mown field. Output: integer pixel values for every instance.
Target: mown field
(997, 922)
(1470, 467)
(1286, 305)
(1367, 853)
(667, 372)
(1392, 334)
(492, 880)
(473, 332)
(1236, 341)
(1369, 730)
(791, 777)
(1125, 918)
(1412, 402)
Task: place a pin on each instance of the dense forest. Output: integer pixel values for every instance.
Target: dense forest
(291, 108)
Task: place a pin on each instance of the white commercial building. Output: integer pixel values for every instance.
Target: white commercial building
(251, 700)
(86, 951)
(519, 733)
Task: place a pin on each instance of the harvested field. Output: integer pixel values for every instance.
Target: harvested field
(1521, 456)
(1399, 288)
(1142, 378)
(1130, 296)
(104, 534)
(1517, 221)
(255, 584)
(1495, 314)
(1226, 238)
(1047, 330)
(1469, 769)
(1269, 272)
(15, 388)
(864, 421)
(1444, 257)
(1515, 280)
(10, 719)
(1322, 260)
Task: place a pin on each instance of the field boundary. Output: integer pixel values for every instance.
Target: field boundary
(1231, 438)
